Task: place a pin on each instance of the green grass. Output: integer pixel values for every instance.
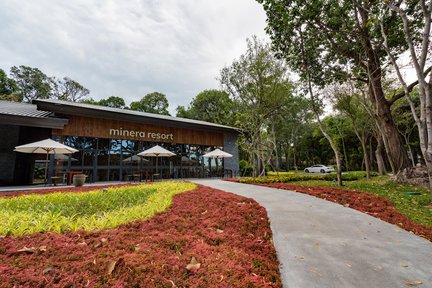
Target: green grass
(413, 206)
(93, 210)
(285, 177)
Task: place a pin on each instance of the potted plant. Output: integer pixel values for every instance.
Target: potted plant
(79, 180)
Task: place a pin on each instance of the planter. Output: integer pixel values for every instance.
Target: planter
(79, 180)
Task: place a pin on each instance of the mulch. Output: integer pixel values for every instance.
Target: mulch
(207, 238)
(371, 204)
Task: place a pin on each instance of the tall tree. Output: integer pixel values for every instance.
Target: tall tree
(336, 35)
(212, 106)
(259, 84)
(113, 102)
(347, 103)
(7, 85)
(32, 83)
(155, 102)
(70, 90)
(288, 129)
(416, 17)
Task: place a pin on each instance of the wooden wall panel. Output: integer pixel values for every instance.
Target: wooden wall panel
(107, 128)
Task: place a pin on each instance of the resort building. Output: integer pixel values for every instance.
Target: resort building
(108, 140)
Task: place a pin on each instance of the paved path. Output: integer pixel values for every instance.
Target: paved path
(324, 245)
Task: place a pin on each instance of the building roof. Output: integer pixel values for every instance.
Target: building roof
(25, 114)
(80, 109)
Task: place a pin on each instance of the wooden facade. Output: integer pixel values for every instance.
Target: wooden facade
(115, 129)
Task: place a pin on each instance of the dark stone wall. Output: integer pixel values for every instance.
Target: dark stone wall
(17, 168)
(230, 146)
(24, 163)
(9, 136)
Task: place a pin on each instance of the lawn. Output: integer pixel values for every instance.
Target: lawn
(205, 238)
(378, 197)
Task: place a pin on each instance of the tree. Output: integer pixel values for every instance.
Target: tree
(289, 126)
(348, 104)
(416, 18)
(258, 82)
(7, 85)
(70, 90)
(32, 83)
(212, 106)
(184, 112)
(155, 102)
(339, 43)
(113, 102)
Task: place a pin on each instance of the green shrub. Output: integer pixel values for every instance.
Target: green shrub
(245, 168)
(290, 177)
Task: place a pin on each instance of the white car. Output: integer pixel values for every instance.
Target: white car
(318, 169)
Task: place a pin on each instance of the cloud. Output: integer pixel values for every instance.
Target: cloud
(130, 48)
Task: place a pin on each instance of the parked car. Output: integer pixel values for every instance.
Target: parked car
(318, 169)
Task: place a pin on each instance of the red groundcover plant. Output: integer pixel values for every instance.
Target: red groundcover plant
(371, 204)
(207, 238)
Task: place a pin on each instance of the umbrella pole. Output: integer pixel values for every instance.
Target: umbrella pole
(46, 167)
(157, 165)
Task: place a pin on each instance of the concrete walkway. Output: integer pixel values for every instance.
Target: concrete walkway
(324, 245)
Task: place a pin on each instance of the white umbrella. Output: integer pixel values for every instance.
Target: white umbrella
(47, 146)
(156, 151)
(135, 158)
(63, 157)
(188, 161)
(217, 154)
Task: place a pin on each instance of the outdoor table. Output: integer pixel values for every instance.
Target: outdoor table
(69, 176)
(55, 179)
(156, 175)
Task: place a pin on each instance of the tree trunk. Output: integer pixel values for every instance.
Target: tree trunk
(362, 139)
(335, 151)
(396, 151)
(287, 153)
(378, 155)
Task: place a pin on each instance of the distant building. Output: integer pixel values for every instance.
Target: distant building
(106, 139)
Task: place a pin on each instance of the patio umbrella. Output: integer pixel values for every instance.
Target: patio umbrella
(135, 158)
(63, 157)
(217, 154)
(156, 151)
(47, 146)
(138, 159)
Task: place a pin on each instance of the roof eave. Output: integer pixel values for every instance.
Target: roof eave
(53, 123)
(65, 109)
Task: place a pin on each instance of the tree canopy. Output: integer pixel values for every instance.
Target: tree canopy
(154, 102)
(212, 106)
(32, 83)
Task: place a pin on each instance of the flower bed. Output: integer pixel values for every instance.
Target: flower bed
(95, 209)
(60, 189)
(371, 204)
(207, 238)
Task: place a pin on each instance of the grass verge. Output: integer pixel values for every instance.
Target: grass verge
(93, 210)
(415, 207)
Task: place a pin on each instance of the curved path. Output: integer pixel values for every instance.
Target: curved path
(322, 244)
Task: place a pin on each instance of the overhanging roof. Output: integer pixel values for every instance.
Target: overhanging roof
(88, 110)
(25, 114)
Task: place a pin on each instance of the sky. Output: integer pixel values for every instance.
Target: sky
(130, 48)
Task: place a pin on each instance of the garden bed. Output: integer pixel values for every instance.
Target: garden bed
(371, 204)
(207, 238)
(60, 189)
